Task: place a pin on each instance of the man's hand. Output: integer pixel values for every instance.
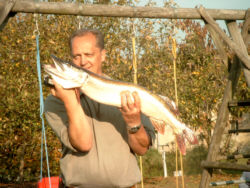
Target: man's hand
(131, 112)
(131, 108)
(79, 131)
(65, 94)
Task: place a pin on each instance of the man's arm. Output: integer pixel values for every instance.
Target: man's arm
(79, 131)
(131, 110)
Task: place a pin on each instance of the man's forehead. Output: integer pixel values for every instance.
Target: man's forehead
(87, 36)
(85, 41)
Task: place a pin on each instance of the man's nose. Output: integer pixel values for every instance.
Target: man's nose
(83, 60)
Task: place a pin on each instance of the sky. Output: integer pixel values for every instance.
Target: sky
(211, 4)
(216, 4)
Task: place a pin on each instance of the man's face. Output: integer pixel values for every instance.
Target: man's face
(87, 54)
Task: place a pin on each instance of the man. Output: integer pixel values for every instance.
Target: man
(99, 141)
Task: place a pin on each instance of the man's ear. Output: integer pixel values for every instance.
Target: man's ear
(103, 55)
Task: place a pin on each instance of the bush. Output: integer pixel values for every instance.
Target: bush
(193, 158)
(152, 164)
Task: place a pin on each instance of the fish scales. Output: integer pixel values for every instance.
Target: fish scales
(107, 91)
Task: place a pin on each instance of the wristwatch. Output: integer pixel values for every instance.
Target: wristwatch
(133, 130)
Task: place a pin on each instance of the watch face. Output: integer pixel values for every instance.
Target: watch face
(132, 130)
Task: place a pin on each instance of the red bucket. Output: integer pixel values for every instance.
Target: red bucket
(44, 183)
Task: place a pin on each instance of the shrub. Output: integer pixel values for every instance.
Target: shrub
(152, 164)
(193, 158)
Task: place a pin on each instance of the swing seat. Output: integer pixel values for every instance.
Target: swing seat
(44, 182)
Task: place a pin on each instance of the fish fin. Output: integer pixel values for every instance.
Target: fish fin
(187, 134)
(158, 125)
(171, 104)
(180, 139)
(58, 65)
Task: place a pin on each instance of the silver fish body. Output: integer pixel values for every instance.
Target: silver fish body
(107, 91)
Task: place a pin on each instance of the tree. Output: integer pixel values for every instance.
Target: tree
(200, 77)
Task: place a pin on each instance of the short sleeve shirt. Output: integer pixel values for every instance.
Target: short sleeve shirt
(110, 162)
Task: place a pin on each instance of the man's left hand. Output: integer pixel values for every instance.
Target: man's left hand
(131, 108)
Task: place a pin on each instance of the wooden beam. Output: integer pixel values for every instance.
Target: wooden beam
(245, 59)
(239, 131)
(224, 111)
(246, 27)
(238, 103)
(218, 43)
(230, 157)
(237, 38)
(121, 11)
(246, 36)
(226, 166)
(221, 121)
(4, 11)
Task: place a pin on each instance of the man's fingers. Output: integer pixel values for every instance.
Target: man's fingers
(57, 86)
(123, 101)
(52, 91)
(137, 101)
(130, 101)
(77, 94)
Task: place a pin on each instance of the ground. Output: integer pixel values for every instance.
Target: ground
(189, 181)
(157, 182)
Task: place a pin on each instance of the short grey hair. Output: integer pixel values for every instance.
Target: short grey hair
(82, 32)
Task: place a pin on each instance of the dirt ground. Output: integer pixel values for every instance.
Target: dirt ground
(189, 181)
(157, 182)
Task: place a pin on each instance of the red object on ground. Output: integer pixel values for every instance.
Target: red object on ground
(44, 183)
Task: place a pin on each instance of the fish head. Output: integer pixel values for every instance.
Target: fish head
(65, 74)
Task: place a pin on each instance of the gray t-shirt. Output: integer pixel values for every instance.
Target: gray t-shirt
(110, 162)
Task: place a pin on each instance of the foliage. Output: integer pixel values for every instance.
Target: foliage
(193, 158)
(152, 164)
(200, 78)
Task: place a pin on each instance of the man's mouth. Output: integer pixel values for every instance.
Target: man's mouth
(87, 67)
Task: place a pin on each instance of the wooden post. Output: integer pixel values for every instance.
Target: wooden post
(246, 37)
(242, 56)
(236, 36)
(221, 121)
(223, 111)
(4, 11)
(218, 43)
(228, 166)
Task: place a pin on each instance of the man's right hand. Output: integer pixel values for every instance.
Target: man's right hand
(79, 131)
(66, 95)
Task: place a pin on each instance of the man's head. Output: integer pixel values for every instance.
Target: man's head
(87, 49)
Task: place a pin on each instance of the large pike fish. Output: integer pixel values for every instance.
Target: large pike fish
(107, 91)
